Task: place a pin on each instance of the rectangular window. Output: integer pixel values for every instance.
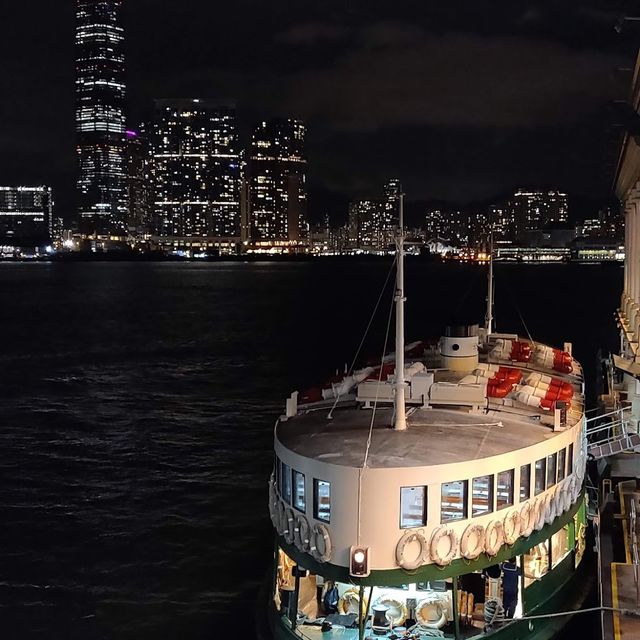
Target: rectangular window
(413, 507)
(285, 487)
(570, 460)
(453, 501)
(322, 500)
(482, 496)
(536, 563)
(298, 491)
(559, 546)
(551, 470)
(504, 489)
(562, 463)
(541, 469)
(525, 482)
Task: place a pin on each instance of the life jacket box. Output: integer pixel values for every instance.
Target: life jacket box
(420, 385)
(372, 390)
(447, 393)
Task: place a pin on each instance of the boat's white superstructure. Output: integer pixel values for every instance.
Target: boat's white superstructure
(439, 462)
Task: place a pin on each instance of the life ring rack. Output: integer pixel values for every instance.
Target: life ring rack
(420, 559)
(438, 535)
(511, 527)
(494, 537)
(466, 551)
(393, 603)
(427, 622)
(320, 543)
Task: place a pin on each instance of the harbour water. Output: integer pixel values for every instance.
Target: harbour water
(136, 411)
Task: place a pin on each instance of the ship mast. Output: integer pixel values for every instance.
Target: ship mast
(399, 405)
(489, 316)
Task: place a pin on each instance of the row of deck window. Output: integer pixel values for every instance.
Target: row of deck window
(291, 485)
(454, 496)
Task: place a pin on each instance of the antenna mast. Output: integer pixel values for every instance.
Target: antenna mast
(400, 411)
(489, 316)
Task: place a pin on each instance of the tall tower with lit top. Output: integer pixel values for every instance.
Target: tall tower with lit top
(100, 118)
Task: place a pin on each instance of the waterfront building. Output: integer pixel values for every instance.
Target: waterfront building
(100, 118)
(26, 215)
(195, 168)
(276, 183)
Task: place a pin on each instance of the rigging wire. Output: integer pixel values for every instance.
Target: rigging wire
(373, 416)
(366, 331)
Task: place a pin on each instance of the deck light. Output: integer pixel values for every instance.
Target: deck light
(359, 566)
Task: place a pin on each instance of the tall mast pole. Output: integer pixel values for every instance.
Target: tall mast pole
(400, 411)
(489, 316)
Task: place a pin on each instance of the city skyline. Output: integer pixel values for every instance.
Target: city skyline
(525, 138)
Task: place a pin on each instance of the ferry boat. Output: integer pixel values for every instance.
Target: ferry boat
(447, 501)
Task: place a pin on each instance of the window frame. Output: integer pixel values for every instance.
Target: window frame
(544, 476)
(465, 501)
(283, 495)
(425, 498)
(294, 491)
(528, 476)
(490, 496)
(316, 500)
(512, 473)
(552, 457)
(559, 478)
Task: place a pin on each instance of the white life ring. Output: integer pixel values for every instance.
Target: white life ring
(288, 533)
(542, 507)
(350, 603)
(273, 502)
(528, 517)
(434, 547)
(493, 538)
(511, 526)
(397, 612)
(320, 546)
(568, 498)
(425, 620)
(423, 552)
(550, 512)
(472, 542)
(301, 533)
(576, 488)
(281, 517)
(558, 501)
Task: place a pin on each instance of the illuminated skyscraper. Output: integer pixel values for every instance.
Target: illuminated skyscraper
(195, 165)
(533, 210)
(25, 215)
(100, 118)
(277, 196)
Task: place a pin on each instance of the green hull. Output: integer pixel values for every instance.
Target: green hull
(566, 590)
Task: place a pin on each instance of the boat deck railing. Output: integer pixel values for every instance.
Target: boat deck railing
(611, 433)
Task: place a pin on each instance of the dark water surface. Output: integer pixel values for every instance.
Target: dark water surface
(136, 411)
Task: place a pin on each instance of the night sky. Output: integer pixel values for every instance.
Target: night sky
(463, 101)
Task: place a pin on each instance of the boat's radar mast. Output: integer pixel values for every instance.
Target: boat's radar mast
(399, 404)
(489, 316)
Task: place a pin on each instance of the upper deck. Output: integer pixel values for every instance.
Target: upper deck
(456, 417)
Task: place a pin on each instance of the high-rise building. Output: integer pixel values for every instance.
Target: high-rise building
(100, 118)
(533, 210)
(372, 222)
(139, 195)
(276, 173)
(195, 166)
(26, 215)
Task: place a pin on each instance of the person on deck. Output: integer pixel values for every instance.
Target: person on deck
(511, 573)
